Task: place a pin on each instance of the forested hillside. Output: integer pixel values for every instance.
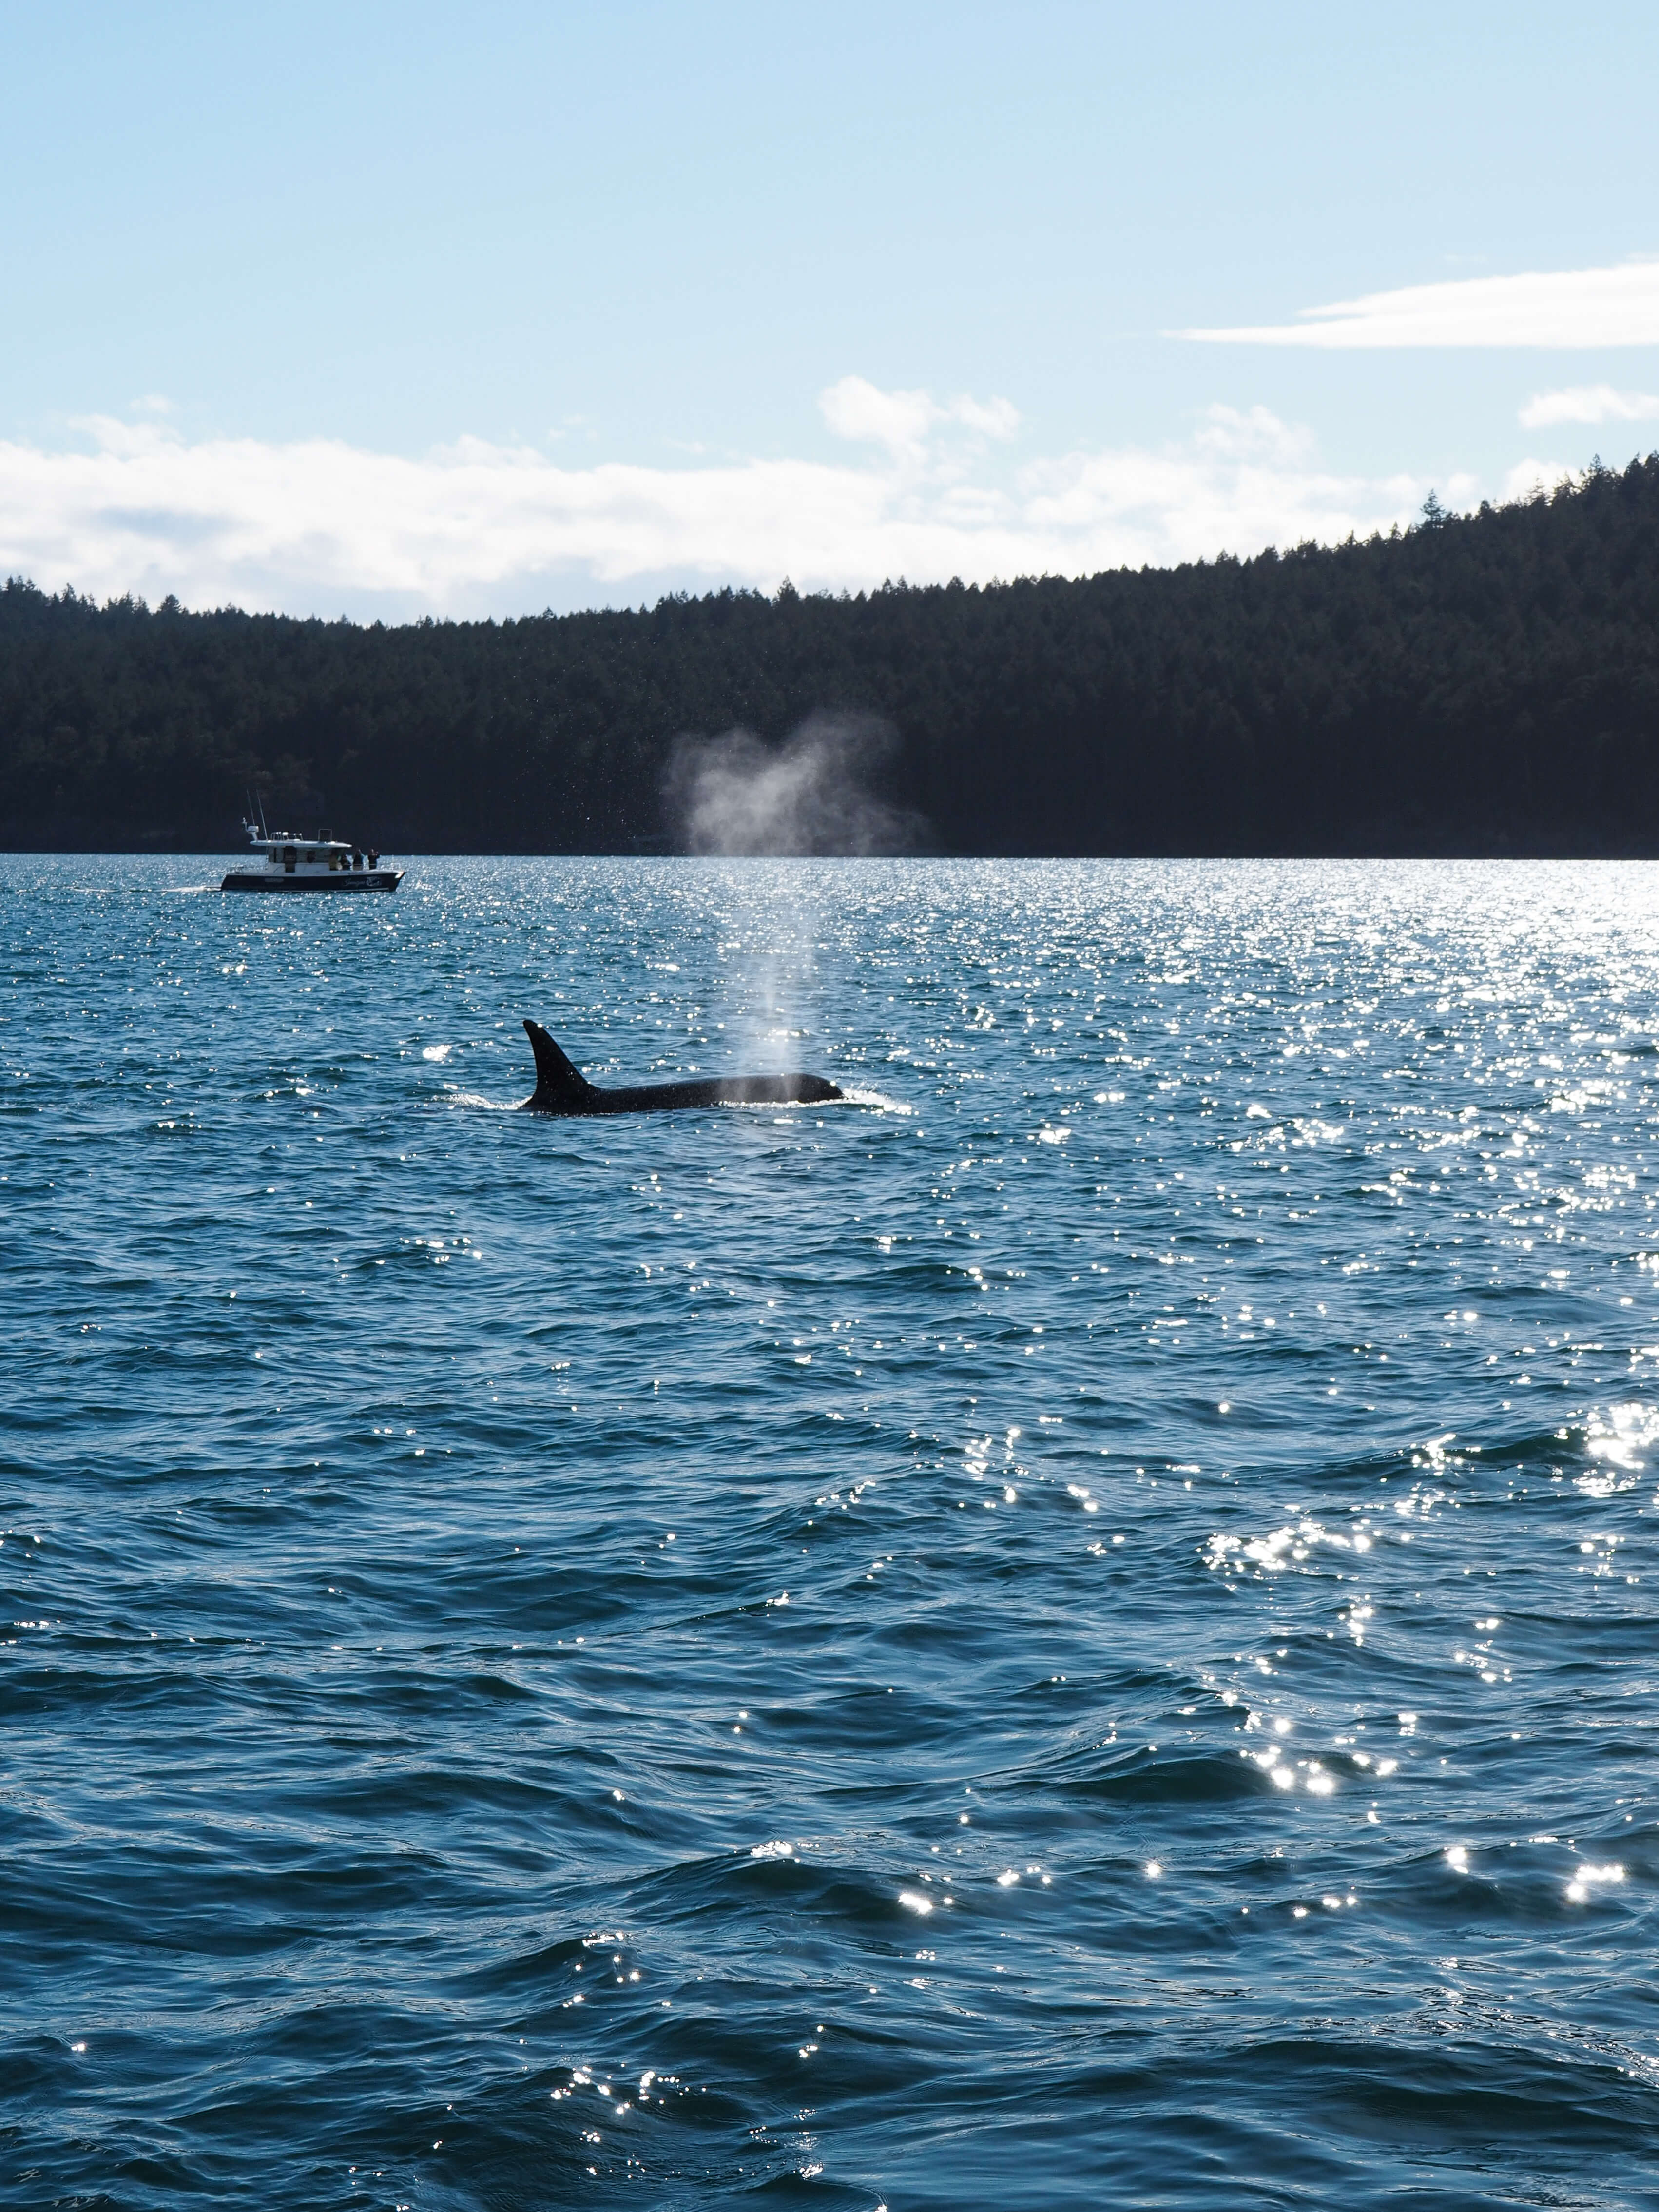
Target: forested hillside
(1487, 683)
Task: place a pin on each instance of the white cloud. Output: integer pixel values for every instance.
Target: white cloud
(1588, 403)
(857, 410)
(903, 421)
(1244, 481)
(320, 526)
(1529, 478)
(1566, 307)
(992, 418)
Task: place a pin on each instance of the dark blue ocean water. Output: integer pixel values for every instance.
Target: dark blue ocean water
(1077, 1631)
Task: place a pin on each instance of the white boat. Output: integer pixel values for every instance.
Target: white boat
(309, 863)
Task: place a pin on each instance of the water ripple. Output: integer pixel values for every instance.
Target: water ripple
(1078, 1629)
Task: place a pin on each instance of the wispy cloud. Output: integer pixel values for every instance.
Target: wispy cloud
(1588, 403)
(1566, 307)
(320, 526)
(1244, 480)
(903, 422)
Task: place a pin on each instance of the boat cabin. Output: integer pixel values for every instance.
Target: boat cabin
(290, 854)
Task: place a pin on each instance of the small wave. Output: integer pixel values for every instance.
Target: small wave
(879, 1099)
(788, 1105)
(1221, 1593)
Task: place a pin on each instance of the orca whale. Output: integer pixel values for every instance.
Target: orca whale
(560, 1088)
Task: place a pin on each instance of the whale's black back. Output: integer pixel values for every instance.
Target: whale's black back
(561, 1088)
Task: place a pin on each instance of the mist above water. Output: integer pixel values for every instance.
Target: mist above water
(818, 792)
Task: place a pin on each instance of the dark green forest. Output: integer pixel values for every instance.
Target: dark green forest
(1480, 683)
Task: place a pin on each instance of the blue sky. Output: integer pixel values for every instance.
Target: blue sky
(395, 310)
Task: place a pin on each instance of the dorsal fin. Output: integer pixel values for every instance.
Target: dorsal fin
(555, 1076)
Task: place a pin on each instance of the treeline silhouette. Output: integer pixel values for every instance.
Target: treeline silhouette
(1486, 683)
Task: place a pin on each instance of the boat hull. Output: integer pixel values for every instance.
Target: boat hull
(364, 880)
